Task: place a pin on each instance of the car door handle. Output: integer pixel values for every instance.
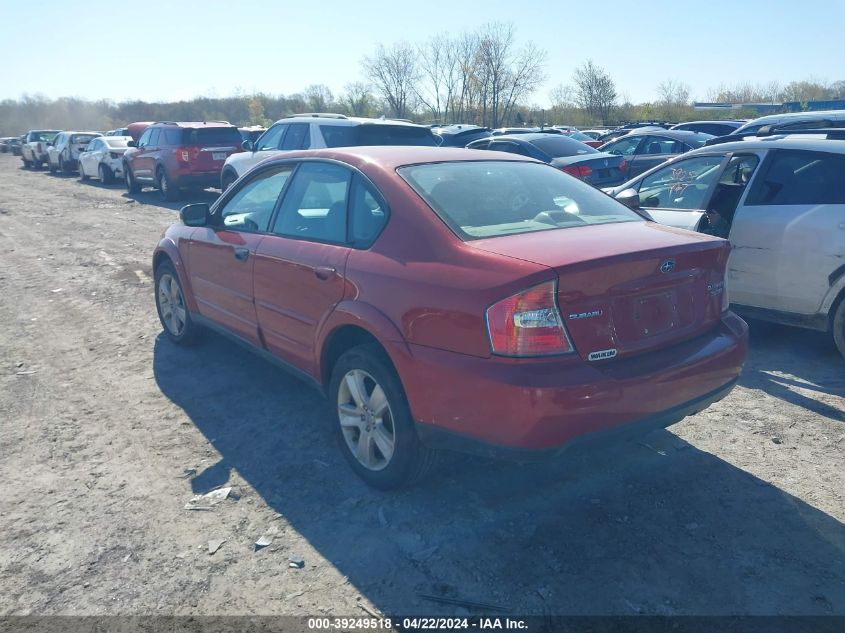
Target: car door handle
(241, 254)
(324, 273)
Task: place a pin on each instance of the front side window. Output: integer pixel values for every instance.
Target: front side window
(145, 138)
(505, 146)
(154, 134)
(661, 145)
(271, 139)
(250, 207)
(314, 207)
(624, 147)
(483, 199)
(800, 177)
(296, 137)
(681, 185)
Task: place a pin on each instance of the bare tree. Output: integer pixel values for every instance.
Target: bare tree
(439, 66)
(318, 97)
(394, 73)
(358, 100)
(595, 90)
(674, 98)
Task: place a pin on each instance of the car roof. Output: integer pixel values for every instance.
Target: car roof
(795, 141)
(678, 135)
(734, 123)
(352, 120)
(194, 124)
(389, 157)
(786, 117)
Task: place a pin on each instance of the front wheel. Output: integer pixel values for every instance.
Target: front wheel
(374, 426)
(172, 309)
(82, 175)
(839, 327)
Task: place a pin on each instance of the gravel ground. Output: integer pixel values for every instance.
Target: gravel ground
(107, 431)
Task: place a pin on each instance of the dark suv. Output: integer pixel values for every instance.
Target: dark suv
(173, 156)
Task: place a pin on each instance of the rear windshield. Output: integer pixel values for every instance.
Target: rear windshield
(495, 198)
(44, 137)
(83, 138)
(376, 134)
(211, 136)
(698, 139)
(117, 141)
(559, 145)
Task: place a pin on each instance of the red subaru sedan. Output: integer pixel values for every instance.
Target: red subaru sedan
(449, 298)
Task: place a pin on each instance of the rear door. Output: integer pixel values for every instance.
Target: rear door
(300, 266)
(222, 256)
(788, 235)
(142, 163)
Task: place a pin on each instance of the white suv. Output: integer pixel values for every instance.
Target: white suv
(780, 200)
(315, 131)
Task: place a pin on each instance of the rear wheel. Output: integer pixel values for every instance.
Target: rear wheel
(50, 166)
(374, 426)
(839, 326)
(172, 309)
(82, 175)
(26, 164)
(132, 185)
(64, 166)
(165, 187)
(105, 174)
(36, 164)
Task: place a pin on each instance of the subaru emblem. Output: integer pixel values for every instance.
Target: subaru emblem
(668, 266)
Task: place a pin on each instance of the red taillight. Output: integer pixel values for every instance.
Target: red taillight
(623, 166)
(528, 324)
(579, 171)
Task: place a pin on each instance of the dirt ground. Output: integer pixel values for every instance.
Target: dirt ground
(107, 431)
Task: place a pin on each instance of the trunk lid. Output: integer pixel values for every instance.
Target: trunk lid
(627, 288)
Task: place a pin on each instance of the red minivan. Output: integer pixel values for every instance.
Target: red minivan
(449, 298)
(174, 156)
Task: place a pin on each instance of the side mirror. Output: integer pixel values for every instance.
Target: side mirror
(196, 214)
(629, 197)
(132, 144)
(247, 146)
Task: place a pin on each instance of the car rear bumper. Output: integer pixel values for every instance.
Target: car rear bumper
(197, 179)
(490, 405)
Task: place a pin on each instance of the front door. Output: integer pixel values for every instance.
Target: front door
(300, 267)
(222, 255)
(788, 235)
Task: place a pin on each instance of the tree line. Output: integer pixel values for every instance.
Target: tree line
(486, 77)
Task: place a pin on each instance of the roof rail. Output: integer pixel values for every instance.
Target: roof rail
(830, 133)
(320, 115)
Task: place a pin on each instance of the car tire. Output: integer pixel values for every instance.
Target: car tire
(228, 180)
(383, 450)
(172, 309)
(838, 326)
(104, 174)
(132, 185)
(50, 167)
(82, 175)
(36, 164)
(165, 187)
(63, 166)
(26, 164)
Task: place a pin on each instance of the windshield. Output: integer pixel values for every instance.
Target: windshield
(495, 198)
(211, 136)
(376, 134)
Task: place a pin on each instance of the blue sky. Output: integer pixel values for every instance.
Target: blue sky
(178, 49)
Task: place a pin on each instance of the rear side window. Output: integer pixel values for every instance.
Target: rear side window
(211, 136)
(314, 207)
(367, 215)
(508, 146)
(481, 199)
(376, 134)
(82, 138)
(170, 137)
(661, 145)
(794, 177)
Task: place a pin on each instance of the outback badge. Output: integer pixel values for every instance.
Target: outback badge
(605, 353)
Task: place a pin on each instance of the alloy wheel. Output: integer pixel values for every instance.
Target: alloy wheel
(171, 304)
(366, 420)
